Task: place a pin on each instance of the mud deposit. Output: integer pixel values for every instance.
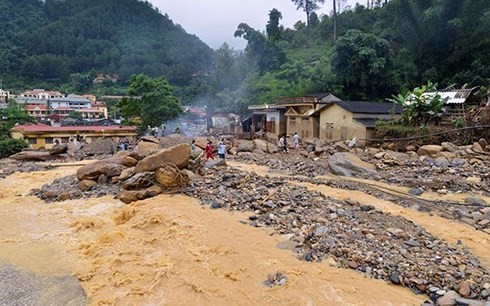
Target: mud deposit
(165, 250)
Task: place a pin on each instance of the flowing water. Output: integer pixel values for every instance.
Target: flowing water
(169, 250)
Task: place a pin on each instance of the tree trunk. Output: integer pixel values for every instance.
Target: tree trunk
(334, 21)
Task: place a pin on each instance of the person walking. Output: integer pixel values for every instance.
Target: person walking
(280, 143)
(296, 140)
(209, 150)
(222, 149)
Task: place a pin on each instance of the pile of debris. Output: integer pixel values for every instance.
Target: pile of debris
(9, 166)
(347, 233)
(142, 173)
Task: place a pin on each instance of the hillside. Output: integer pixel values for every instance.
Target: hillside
(58, 42)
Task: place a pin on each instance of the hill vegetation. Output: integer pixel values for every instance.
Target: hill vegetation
(386, 49)
(66, 44)
(357, 53)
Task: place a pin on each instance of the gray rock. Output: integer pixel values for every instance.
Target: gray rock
(347, 164)
(412, 243)
(474, 200)
(416, 191)
(448, 299)
(395, 277)
(28, 289)
(467, 302)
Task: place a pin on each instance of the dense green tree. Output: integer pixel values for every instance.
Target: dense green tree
(152, 101)
(361, 62)
(273, 28)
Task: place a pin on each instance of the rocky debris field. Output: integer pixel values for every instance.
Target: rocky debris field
(474, 211)
(69, 188)
(8, 167)
(347, 233)
(444, 168)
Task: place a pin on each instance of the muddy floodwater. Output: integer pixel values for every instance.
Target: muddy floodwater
(169, 250)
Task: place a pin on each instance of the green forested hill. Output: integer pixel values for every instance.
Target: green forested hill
(57, 42)
(379, 51)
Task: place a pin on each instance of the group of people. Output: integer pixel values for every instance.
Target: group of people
(208, 150)
(283, 143)
(123, 145)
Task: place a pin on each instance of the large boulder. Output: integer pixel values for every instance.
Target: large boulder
(260, 144)
(128, 196)
(272, 148)
(449, 146)
(103, 146)
(34, 156)
(139, 181)
(146, 146)
(178, 155)
(169, 176)
(109, 167)
(215, 163)
(172, 140)
(245, 146)
(347, 164)
(58, 149)
(429, 150)
(399, 156)
(201, 142)
(72, 147)
(477, 148)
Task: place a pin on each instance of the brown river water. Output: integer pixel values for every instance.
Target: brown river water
(169, 250)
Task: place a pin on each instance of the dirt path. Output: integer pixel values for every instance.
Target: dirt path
(167, 250)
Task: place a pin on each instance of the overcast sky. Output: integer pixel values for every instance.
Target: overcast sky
(215, 21)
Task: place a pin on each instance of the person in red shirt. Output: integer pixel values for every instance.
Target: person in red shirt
(209, 151)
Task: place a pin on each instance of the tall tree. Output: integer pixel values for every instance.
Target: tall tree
(152, 101)
(308, 6)
(273, 29)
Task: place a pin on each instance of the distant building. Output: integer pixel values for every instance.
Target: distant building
(45, 136)
(301, 113)
(267, 121)
(4, 99)
(41, 94)
(75, 103)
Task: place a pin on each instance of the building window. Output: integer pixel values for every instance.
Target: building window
(64, 139)
(32, 141)
(48, 140)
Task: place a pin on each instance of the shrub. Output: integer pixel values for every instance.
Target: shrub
(11, 146)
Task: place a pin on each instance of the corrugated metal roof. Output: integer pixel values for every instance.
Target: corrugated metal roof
(454, 96)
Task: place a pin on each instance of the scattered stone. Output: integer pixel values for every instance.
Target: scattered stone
(275, 279)
(429, 150)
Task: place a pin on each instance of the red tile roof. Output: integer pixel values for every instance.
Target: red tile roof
(36, 106)
(48, 128)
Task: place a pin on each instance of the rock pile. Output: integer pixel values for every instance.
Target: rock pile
(127, 175)
(9, 166)
(356, 236)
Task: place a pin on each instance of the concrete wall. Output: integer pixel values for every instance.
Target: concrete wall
(337, 123)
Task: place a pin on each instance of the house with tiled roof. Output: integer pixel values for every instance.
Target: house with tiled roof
(45, 136)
